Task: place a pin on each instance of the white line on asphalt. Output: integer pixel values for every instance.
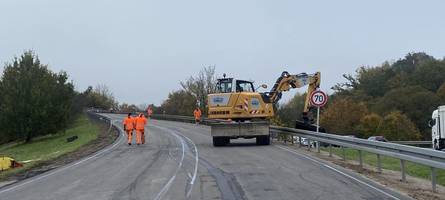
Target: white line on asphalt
(338, 171)
(196, 156)
(192, 181)
(63, 168)
(193, 178)
(168, 184)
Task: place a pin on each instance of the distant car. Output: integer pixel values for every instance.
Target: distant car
(378, 138)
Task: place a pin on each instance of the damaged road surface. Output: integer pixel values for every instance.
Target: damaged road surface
(180, 162)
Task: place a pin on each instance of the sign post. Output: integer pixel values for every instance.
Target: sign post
(318, 99)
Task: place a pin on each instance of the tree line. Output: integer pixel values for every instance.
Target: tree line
(36, 101)
(395, 100)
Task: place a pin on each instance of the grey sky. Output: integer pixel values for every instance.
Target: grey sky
(142, 49)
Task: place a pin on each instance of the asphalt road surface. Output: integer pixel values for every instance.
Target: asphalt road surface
(179, 162)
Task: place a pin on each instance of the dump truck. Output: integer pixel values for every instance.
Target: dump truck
(237, 110)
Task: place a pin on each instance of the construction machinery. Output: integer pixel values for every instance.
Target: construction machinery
(237, 110)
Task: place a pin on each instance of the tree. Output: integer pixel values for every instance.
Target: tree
(179, 103)
(291, 111)
(430, 75)
(415, 102)
(369, 125)
(201, 85)
(397, 126)
(441, 92)
(34, 101)
(124, 107)
(343, 116)
(374, 80)
(102, 97)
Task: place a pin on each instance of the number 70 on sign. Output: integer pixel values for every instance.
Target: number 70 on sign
(318, 98)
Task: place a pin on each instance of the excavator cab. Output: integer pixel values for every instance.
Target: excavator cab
(230, 85)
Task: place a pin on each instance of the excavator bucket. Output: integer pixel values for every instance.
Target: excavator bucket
(307, 126)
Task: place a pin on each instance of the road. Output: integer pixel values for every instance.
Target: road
(179, 162)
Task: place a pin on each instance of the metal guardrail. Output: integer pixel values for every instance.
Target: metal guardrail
(425, 144)
(428, 157)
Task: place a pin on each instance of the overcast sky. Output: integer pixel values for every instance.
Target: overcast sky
(143, 49)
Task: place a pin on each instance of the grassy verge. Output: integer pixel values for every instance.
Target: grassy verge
(389, 163)
(49, 147)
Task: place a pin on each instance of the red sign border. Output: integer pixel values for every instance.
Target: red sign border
(322, 93)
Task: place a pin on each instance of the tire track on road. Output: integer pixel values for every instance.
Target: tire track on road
(229, 187)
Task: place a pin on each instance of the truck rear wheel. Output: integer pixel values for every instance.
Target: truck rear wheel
(220, 141)
(263, 140)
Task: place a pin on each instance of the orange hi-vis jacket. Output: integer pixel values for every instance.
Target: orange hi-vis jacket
(129, 123)
(140, 123)
(197, 113)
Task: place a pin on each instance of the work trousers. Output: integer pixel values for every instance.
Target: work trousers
(129, 136)
(140, 136)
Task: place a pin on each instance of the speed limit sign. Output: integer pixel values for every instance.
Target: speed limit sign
(318, 98)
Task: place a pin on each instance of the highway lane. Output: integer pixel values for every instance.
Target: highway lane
(179, 162)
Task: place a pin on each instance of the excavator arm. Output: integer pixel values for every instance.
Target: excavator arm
(287, 81)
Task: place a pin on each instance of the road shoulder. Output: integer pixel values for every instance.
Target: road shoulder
(414, 187)
(105, 137)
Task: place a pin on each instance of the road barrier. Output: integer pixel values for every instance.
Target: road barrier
(95, 116)
(428, 157)
(424, 144)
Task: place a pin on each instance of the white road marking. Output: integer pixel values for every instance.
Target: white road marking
(338, 171)
(172, 178)
(192, 181)
(193, 178)
(118, 141)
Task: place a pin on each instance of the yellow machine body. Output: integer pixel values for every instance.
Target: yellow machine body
(239, 105)
(238, 100)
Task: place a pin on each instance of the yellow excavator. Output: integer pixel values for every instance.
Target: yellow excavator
(237, 110)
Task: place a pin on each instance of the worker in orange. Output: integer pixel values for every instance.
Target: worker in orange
(141, 121)
(197, 113)
(149, 111)
(129, 125)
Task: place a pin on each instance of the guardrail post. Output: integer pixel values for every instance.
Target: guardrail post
(299, 141)
(308, 144)
(402, 169)
(343, 152)
(379, 164)
(318, 146)
(330, 150)
(360, 158)
(433, 179)
(292, 138)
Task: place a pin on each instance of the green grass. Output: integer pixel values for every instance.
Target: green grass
(49, 147)
(413, 169)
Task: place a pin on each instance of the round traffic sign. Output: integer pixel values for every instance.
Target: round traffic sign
(319, 98)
